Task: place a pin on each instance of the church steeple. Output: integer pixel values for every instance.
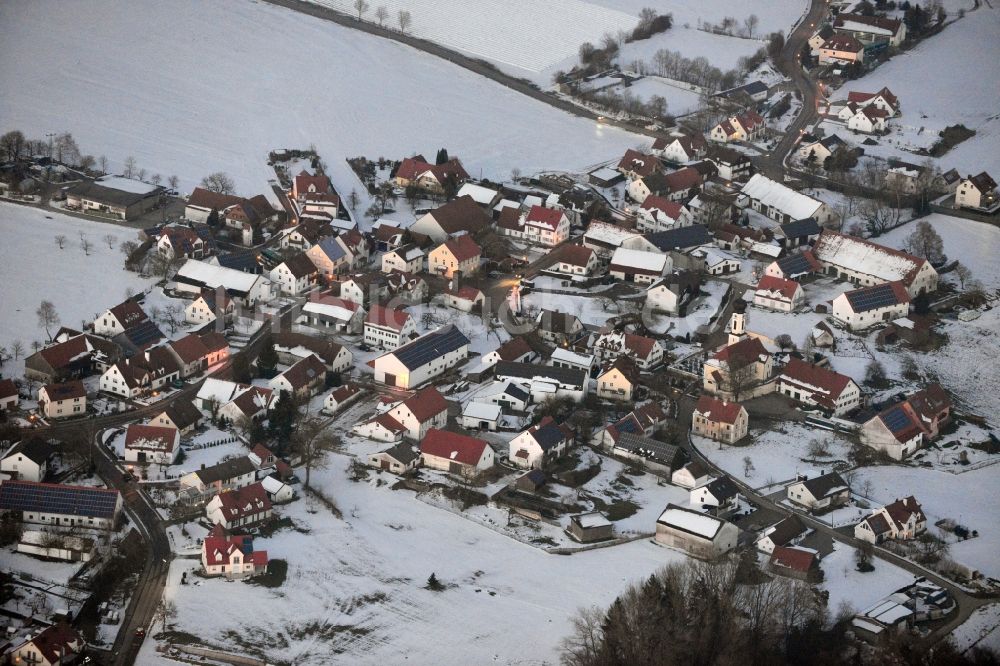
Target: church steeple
(737, 328)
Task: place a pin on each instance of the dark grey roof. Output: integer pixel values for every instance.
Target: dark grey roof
(657, 451)
(55, 498)
(403, 453)
(786, 530)
(245, 261)
(831, 142)
(183, 413)
(874, 297)
(794, 265)
(226, 470)
(548, 436)
(798, 228)
(821, 486)
(34, 449)
(516, 391)
(568, 376)
(722, 488)
(431, 346)
(107, 195)
(679, 239)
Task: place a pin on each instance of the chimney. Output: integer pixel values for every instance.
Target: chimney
(203, 465)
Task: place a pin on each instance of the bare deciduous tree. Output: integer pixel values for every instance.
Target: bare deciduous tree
(110, 239)
(963, 273)
(86, 245)
(102, 163)
(750, 23)
(47, 317)
(131, 167)
(360, 6)
(128, 247)
(219, 182)
(171, 316)
(310, 442)
(61, 241)
(925, 242)
(173, 182)
(405, 20)
(381, 14)
(17, 349)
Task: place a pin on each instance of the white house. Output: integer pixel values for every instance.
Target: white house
(62, 505)
(381, 428)
(646, 352)
(691, 475)
(28, 460)
(658, 213)
(785, 532)
(240, 508)
(618, 379)
(774, 293)
(679, 149)
(480, 415)
(418, 362)
(720, 495)
(407, 259)
(507, 395)
(302, 379)
(868, 120)
(454, 453)
(746, 126)
(208, 306)
(978, 193)
(455, 255)
(422, 411)
(295, 275)
(668, 294)
(841, 49)
(387, 328)
(576, 260)
(52, 646)
(195, 276)
(461, 215)
(9, 396)
(546, 226)
(819, 492)
(329, 256)
(145, 444)
(815, 386)
(229, 474)
(904, 519)
(866, 263)
(339, 398)
(59, 401)
(545, 382)
(399, 459)
(871, 29)
(696, 533)
(539, 444)
(231, 556)
(119, 319)
(720, 420)
(879, 304)
(464, 298)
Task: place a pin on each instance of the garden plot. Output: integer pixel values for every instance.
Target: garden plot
(943, 59)
(778, 454)
(700, 313)
(361, 592)
(378, 97)
(849, 587)
(33, 269)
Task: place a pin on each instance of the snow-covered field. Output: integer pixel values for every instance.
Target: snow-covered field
(189, 88)
(981, 630)
(33, 268)
(362, 594)
(937, 87)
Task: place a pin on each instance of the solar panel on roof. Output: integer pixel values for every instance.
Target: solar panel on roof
(144, 333)
(872, 298)
(431, 346)
(795, 264)
(47, 498)
(896, 419)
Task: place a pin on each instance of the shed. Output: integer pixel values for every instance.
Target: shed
(530, 481)
(481, 416)
(590, 527)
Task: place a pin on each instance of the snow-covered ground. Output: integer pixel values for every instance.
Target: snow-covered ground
(364, 596)
(982, 630)
(33, 269)
(264, 77)
(937, 87)
(849, 587)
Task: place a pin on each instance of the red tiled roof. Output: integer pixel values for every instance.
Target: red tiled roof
(548, 217)
(875, 21)
(795, 559)
(671, 209)
(575, 255)
(244, 501)
(413, 167)
(148, 437)
(461, 214)
(717, 410)
(214, 341)
(452, 446)
(203, 198)
(304, 180)
(58, 642)
(786, 288)
(639, 163)
(426, 403)
(7, 388)
(306, 371)
(388, 422)
(901, 510)
(840, 42)
(513, 349)
(683, 179)
(833, 383)
(983, 182)
(747, 350)
(65, 391)
(190, 348)
(253, 400)
(385, 317)
(128, 314)
(750, 120)
(466, 293)
(463, 247)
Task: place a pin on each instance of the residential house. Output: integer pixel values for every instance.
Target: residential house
(482, 195)
(819, 493)
(657, 213)
(9, 396)
(634, 165)
(865, 263)
(732, 164)
(785, 532)
(798, 234)
(641, 422)
(364, 288)
(399, 459)
(775, 293)
(653, 455)
(309, 232)
(680, 149)
(418, 172)
(902, 520)
(240, 508)
(540, 444)
(841, 49)
(508, 395)
(604, 238)
(978, 193)
(590, 527)
(177, 241)
(720, 420)
(180, 415)
(638, 266)
(195, 276)
(883, 100)
(618, 380)
(481, 415)
(422, 411)
(454, 453)
(463, 298)
(407, 258)
(340, 397)
(871, 29)
(546, 226)
(746, 126)
(646, 352)
(816, 386)
(576, 260)
(794, 266)
(329, 258)
(210, 305)
(675, 186)
(294, 276)
(60, 401)
(381, 428)
(461, 215)
(901, 429)
(191, 354)
(545, 382)
(52, 646)
(421, 360)
(737, 369)
(695, 533)
(117, 320)
(868, 120)
(670, 293)
(814, 150)
(227, 475)
(796, 562)
(781, 203)
(516, 350)
(302, 379)
(338, 314)
(406, 287)
(151, 444)
(720, 497)
(691, 475)
(231, 556)
(387, 328)
(62, 505)
(866, 307)
(455, 255)
(558, 328)
(27, 460)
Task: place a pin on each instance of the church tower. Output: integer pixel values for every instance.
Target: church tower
(737, 328)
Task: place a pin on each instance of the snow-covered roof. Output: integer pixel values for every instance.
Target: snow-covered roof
(713, 256)
(591, 520)
(218, 390)
(772, 193)
(648, 261)
(567, 356)
(482, 410)
(605, 173)
(506, 203)
(217, 276)
(338, 312)
(125, 184)
(271, 484)
(690, 521)
(866, 257)
(481, 195)
(854, 26)
(602, 232)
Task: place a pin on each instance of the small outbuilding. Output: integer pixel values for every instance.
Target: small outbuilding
(590, 527)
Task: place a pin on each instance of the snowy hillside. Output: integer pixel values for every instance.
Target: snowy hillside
(187, 88)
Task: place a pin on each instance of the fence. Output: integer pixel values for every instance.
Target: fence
(213, 443)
